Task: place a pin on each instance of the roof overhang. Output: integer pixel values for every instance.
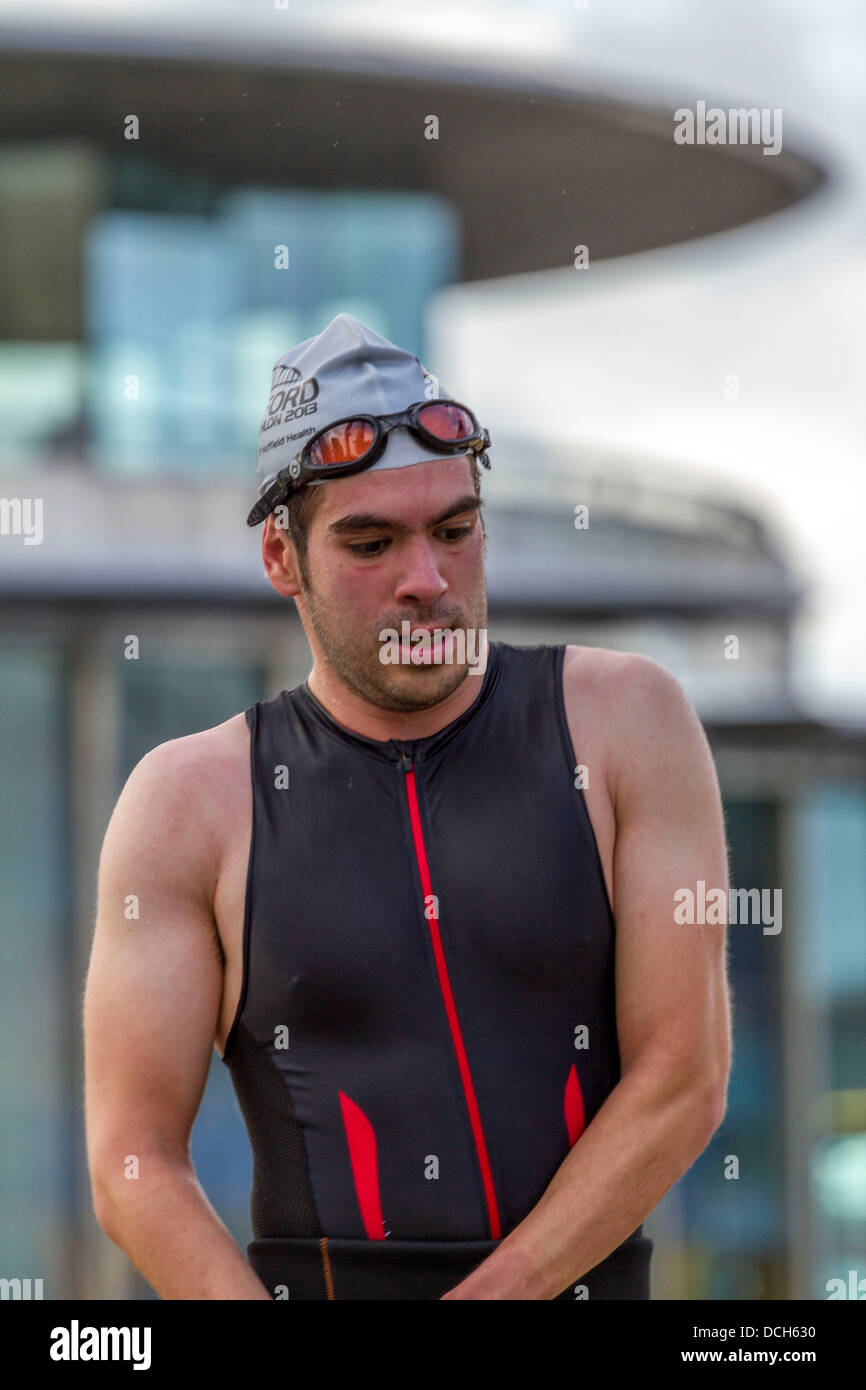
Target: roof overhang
(534, 165)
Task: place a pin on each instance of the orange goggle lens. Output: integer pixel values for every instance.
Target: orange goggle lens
(349, 440)
(447, 422)
(344, 443)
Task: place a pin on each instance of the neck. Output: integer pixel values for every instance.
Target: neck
(360, 716)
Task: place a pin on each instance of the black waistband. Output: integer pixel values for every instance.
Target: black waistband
(409, 1269)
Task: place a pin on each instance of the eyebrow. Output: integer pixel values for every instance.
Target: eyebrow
(365, 521)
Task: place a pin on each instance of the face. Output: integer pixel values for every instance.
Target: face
(384, 548)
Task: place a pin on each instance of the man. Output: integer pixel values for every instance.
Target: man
(423, 906)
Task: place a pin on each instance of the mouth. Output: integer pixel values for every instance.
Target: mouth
(421, 648)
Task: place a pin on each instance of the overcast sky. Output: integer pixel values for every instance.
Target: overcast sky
(648, 341)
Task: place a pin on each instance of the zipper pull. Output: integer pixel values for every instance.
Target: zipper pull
(404, 759)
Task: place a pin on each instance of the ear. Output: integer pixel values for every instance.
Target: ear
(280, 559)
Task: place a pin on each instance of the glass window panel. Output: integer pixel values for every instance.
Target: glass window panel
(39, 1084)
(732, 1229)
(831, 859)
(161, 305)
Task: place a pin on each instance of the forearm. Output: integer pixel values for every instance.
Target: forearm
(165, 1225)
(639, 1143)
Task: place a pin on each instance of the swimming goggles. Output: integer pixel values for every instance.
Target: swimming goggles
(357, 441)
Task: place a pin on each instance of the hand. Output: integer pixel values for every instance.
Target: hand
(505, 1274)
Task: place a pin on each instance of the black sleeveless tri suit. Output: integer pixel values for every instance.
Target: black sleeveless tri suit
(427, 1018)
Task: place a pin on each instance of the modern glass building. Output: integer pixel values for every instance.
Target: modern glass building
(147, 284)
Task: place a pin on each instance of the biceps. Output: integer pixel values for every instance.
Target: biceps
(150, 1015)
(672, 1004)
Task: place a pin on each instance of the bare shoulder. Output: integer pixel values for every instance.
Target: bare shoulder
(626, 686)
(182, 796)
(636, 712)
(616, 673)
(197, 764)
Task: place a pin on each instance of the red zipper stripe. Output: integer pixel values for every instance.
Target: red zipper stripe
(450, 1008)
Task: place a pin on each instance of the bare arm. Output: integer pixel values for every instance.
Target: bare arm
(150, 1014)
(673, 1009)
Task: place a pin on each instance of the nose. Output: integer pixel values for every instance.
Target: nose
(420, 578)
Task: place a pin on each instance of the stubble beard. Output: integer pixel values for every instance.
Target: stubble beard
(398, 688)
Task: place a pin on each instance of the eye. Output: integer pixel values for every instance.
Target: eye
(456, 533)
(363, 548)
(451, 534)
